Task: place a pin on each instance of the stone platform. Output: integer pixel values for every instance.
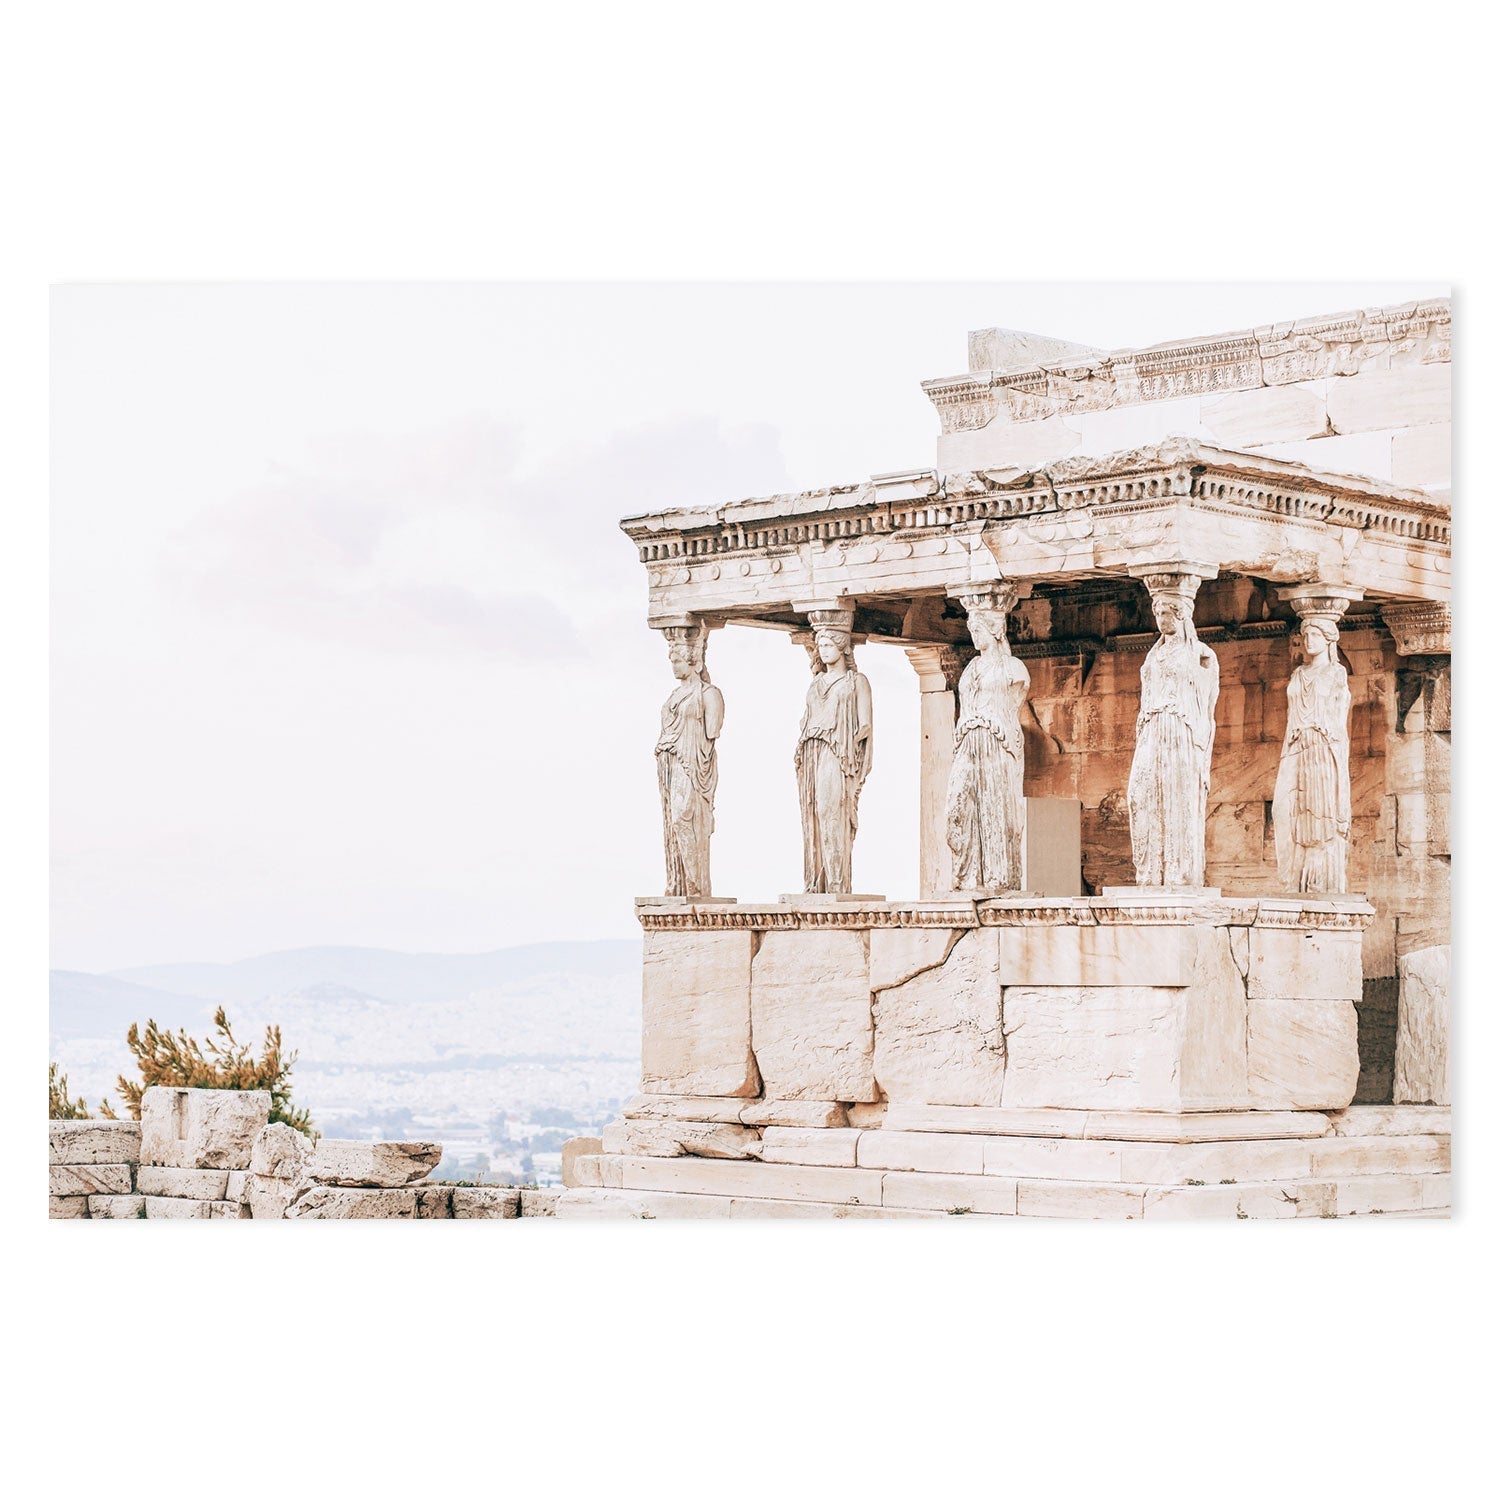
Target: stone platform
(1176, 1003)
(1073, 1164)
(1131, 1055)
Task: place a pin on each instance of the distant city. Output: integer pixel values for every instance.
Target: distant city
(499, 1056)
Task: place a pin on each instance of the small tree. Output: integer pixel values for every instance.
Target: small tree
(60, 1106)
(178, 1061)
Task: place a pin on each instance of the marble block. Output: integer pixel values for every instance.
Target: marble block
(202, 1129)
(938, 1038)
(811, 1015)
(695, 1014)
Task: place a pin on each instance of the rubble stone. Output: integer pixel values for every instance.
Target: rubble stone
(376, 1164)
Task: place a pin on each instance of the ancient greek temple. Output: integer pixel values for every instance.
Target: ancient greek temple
(1177, 945)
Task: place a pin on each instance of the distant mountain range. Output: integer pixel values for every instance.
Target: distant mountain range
(451, 1039)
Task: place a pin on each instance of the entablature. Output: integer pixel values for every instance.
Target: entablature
(919, 533)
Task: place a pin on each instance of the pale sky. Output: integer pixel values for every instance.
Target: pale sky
(347, 646)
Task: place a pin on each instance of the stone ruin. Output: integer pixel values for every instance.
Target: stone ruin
(211, 1154)
(1180, 625)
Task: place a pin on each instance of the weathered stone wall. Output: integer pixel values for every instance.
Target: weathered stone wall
(211, 1154)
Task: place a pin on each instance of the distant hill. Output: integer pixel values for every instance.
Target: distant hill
(384, 974)
(97, 1005)
(451, 1039)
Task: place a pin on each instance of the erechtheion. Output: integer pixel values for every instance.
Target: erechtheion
(1177, 944)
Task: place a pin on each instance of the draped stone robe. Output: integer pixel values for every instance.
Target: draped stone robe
(687, 771)
(1311, 805)
(832, 763)
(1174, 741)
(985, 792)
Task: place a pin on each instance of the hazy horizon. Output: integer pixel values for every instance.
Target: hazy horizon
(347, 647)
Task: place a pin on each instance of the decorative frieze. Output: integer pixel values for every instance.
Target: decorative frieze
(1178, 469)
(1381, 338)
(1349, 914)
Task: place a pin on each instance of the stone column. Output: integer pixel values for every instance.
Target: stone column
(1168, 790)
(1417, 793)
(1311, 808)
(938, 669)
(687, 759)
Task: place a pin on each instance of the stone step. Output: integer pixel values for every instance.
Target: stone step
(611, 1203)
(989, 1195)
(1392, 1119)
(1148, 1163)
(1116, 1125)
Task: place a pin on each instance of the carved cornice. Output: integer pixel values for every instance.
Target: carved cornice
(1122, 483)
(1420, 629)
(1380, 338)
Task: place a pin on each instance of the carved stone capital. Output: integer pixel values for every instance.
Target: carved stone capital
(1174, 580)
(1424, 629)
(997, 594)
(938, 668)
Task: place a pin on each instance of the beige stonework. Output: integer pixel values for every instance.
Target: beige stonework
(1220, 571)
(1422, 1031)
(86, 1142)
(938, 1036)
(695, 1008)
(812, 1015)
(375, 1164)
(201, 1129)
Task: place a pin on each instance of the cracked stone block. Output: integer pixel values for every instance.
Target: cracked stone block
(1271, 414)
(181, 1182)
(486, 1203)
(807, 1114)
(811, 1015)
(539, 1203)
(202, 1129)
(938, 1038)
(319, 1202)
(1421, 1074)
(79, 1181)
(1068, 1047)
(673, 1107)
(81, 1143)
(176, 1208)
(73, 1207)
(117, 1206)
(1303, 1054)
(281, 1152)
(434, 1202)
(678, 1138)
(1313, 964)
(695, 1014)
(809, 1148)
(375, 1164)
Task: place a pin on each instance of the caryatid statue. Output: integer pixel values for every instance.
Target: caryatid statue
(985, 785)
(1311, 806)
(833, 755)
(687, 762)
(1174, 737)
